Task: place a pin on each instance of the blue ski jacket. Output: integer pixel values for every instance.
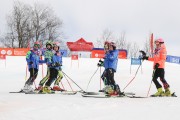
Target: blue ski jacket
(33, 59)
(56, 61)
(111, 59)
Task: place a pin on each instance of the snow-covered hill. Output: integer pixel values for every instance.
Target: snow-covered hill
(75, 107)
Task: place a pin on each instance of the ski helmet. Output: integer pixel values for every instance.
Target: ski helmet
(37, 44)
(113, 45)
(160, 40)
(49, 43)
(56, 44)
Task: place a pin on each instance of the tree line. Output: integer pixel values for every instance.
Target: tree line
(29, 23)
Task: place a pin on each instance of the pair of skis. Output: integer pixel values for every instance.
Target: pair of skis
(126, 95)
(55, 92)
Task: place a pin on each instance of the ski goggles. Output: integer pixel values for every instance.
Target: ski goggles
(37, 45)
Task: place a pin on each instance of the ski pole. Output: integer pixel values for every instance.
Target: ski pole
(143, 54)
(133, 77)
(100, 77)
(151, 82)
(62, 85)
(26, 72)
(73, 81)
(91, 78)
(68, 83)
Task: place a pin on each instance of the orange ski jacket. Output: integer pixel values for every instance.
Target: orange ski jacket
(159, 56)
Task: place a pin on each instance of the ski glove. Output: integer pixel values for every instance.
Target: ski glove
(30, 63)
(58, 64)
(53, 64)
(145, 58)
(101, 63)
(156, 66)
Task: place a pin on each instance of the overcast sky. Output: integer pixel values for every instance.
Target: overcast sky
(137, 18)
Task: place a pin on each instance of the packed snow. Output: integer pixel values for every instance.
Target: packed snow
(19, 106)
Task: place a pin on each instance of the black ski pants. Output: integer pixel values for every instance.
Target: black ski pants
(108, 77)
(33, 76)
(159, 72)
(52, 77)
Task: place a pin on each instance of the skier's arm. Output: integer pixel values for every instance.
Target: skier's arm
(28, 56)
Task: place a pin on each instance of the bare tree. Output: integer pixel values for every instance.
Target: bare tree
(134, 50)
(17, 23)
(27, 24)
(147, 47)
(107, 35)
(45, 24)
(121, 41)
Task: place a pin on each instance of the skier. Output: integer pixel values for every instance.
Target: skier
(47, 56)
(56, 86)
(33, 60)
(110, 64)
(159, 59)
(54, 67)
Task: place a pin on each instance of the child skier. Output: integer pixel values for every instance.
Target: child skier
(33, 60)
(56, 86)
(54, 67)
(110, 64)
(159, 64)
(47, 56)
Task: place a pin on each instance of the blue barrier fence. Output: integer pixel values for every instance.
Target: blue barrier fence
(136, 61)
(173, 59)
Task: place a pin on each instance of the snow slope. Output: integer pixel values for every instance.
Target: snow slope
(75, 107)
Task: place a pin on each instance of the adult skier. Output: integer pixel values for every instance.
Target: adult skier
(110, 64)
(33, 60)
(159, 59)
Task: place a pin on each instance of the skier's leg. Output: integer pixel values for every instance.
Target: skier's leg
(32, 77)
(53, 76)
(42, 82)
(157, 84)
(104, 78)
(110, 78)
(165, 84)
(60, 76)
(58, 80)
(115, 86)
(29, 82)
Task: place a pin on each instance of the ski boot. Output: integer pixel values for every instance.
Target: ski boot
(159, 93)
(39, 88)
(109, 90)
(57, 88)
(167, 92)
(118, 90)
(103, 90)
(47, 90)
(27, 88)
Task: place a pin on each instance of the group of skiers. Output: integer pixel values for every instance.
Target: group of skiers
(53, 59)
